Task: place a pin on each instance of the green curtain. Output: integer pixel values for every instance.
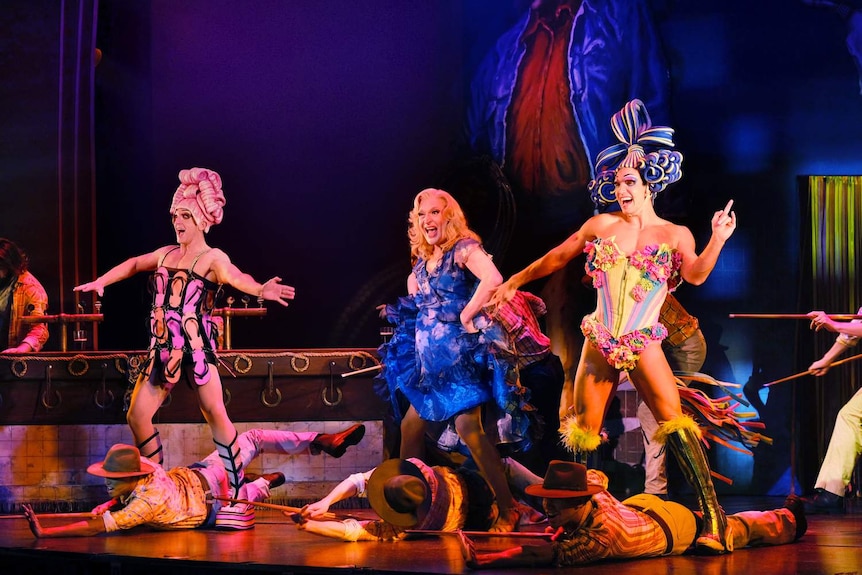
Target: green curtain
(835, 208)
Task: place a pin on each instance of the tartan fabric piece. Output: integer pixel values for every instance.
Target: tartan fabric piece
(612, 530)
(680, 324)
(519, 318)
(28, 292)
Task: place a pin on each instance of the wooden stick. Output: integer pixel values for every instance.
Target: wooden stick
(76, 515)
(267, 505)
(361, 371)
(838, 316)
(788, 378)
(804, 373)
(475, 534)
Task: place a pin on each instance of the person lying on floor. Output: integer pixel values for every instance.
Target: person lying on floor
(589, 524)
(143, 493)
(408, 494)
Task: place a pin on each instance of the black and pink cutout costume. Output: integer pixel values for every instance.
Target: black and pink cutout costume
(181, 329)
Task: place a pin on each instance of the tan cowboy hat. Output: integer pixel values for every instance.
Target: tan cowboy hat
(563, 480)
(399, 493)
(121, 461)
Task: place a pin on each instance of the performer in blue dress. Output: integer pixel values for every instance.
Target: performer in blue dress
(447, 358)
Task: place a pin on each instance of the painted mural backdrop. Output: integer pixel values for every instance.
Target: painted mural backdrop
(540, 106)
(850, 13)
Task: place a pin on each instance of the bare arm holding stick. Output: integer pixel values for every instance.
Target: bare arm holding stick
(835, 316)
(848, 334)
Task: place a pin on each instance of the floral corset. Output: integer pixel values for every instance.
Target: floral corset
(631, 290)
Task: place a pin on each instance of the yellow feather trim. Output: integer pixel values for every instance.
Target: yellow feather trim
(577, 439)
(674, 425)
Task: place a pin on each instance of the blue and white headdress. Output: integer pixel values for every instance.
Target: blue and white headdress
(642, 146)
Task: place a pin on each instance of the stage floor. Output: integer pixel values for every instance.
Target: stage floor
(831, 546)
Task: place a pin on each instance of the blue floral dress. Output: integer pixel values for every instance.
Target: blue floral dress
(440, 368)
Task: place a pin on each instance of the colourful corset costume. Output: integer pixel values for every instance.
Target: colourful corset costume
(181, 329)
(631, 290)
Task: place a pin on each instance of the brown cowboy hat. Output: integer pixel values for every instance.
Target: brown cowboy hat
(563, 480)
(399, 493)
(121, 461)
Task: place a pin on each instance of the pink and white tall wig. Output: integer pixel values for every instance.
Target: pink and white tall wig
(200, 193)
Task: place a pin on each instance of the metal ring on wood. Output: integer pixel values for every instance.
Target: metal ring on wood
(109, 398)
(78, 372)
(276, 392)
(270, 387)
(19, 368)
(45, 393)
(335, 394)
(225, 396)
(119, 366)
(45, 399)
(294, 366)
(246, 359)
(105, 392)
(339, 395)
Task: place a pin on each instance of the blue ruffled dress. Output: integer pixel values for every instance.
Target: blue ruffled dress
(440, 368)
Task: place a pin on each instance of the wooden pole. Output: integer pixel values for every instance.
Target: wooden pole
(267, 505)
(837, 316)
(77, 515)
(804, 373)
(475, 534)
(361, 371)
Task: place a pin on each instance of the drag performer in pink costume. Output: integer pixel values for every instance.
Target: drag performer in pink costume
(187, 279)
(634, 257)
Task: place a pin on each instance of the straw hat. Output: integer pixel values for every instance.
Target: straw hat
(121, 461)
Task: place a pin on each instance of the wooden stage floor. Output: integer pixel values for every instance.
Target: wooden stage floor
(832, 545)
